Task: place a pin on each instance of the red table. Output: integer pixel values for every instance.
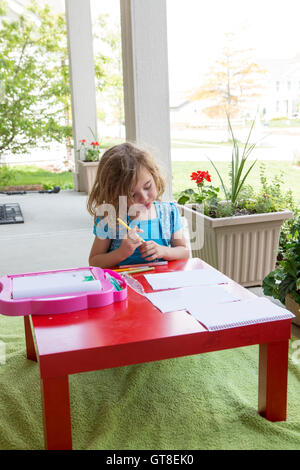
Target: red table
(134, 331)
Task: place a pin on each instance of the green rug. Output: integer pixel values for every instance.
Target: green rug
(208, 401)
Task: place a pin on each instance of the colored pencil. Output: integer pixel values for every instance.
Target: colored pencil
(133, 271)
(133, 266)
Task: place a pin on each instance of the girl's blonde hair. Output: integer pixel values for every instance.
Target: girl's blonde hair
(117, 174)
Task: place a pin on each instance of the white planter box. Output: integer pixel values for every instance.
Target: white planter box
(244, 248)
(87, 174)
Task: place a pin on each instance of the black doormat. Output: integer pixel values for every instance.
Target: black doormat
(11, 214)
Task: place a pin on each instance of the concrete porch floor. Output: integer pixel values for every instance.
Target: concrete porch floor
(57, 234)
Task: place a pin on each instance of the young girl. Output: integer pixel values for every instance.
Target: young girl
(129, 175)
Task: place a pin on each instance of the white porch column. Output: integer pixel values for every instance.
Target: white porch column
(146, 83)
(82, 74)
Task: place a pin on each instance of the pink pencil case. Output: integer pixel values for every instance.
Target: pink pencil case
(104, 293)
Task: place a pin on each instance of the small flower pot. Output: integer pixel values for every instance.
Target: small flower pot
(87, 174)
(243, 248)
(293, 307)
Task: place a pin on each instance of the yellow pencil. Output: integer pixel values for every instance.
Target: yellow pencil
(134, 270)
(128, 228)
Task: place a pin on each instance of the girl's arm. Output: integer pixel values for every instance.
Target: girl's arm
(178, 248)
(99, 255)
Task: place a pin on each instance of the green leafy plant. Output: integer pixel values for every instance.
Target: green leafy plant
(238, 173)
(270, 197)
(285, 279)
(48, 185)
(7, 176)
(240, 198)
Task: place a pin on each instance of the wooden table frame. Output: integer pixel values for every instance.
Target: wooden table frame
(272, 337)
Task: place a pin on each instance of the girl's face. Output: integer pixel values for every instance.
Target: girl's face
(144, 192)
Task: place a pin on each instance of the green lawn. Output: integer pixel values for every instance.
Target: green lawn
(181, 175)
(34, 175)
(287, 123)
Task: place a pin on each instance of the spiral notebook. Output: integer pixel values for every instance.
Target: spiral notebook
(240, 313)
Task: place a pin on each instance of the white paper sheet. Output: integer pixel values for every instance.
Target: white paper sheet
(234, 314)
(59, 283)
(175, 279)
(185, 297)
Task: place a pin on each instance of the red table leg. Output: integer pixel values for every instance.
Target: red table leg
(56, 413)
(30, 348)
(273, 374)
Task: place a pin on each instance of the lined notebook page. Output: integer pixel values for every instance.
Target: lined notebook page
(196, 277)
(182, 298)
(241, 313)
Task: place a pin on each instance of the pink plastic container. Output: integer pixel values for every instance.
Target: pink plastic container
(64, 303)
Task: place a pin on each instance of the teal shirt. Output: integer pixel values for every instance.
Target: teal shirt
(160, 230)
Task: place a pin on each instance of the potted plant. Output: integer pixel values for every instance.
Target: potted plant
(89, 156)
(238, 235)
(283, 283)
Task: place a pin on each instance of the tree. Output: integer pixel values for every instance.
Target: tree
(35, 80)
(111, 85)
(35, 98)
(231, 82)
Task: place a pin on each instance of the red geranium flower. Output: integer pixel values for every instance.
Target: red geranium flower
(199, 176)
(83, 141)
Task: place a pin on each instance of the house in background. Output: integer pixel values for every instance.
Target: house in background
(282, 94)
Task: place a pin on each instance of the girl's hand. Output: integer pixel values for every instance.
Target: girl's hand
(151, 250)
(131, 242)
